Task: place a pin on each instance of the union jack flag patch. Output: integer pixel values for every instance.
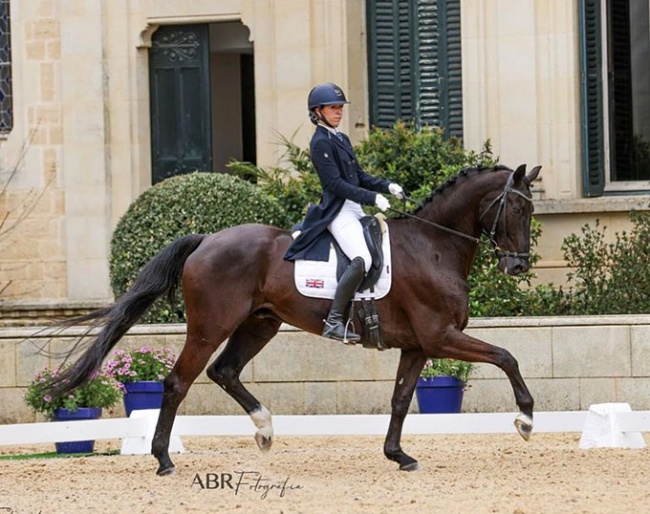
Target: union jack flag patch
(315, 283)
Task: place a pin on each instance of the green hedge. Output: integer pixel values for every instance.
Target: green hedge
(419, 160)
(606, 278)
(196, 203)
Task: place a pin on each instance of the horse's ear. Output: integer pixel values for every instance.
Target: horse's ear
(519, 174)
(532, 174)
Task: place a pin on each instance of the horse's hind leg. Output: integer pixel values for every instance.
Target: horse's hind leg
(192, 360)
(246, 342)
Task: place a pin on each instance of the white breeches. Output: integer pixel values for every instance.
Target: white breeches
(348, 233)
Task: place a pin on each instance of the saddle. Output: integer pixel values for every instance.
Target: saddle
(373, 237)
(368, 312)
(318, 279)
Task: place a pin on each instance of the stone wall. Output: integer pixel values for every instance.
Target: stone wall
(568, 364)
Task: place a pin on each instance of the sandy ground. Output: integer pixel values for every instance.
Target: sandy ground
(460, 474)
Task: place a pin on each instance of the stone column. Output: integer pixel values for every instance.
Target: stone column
(85, 156)
(520, 86)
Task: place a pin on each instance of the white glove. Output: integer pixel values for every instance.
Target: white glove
(382, 202)
(397, 191)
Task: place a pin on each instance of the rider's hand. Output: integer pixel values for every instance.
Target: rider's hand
(382, 202)
(397, 191)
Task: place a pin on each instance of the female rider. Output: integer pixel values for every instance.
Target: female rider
(345, 187)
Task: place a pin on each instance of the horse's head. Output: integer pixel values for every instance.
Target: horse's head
(505, 218)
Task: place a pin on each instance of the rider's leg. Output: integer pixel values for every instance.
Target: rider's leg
(348, 232)
(335, 324)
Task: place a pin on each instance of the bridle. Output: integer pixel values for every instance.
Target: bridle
(502, 199)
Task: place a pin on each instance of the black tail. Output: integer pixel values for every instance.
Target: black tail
(160, 276)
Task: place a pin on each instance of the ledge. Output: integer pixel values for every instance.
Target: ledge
(560, 321)
(593, 205)
(515, 322)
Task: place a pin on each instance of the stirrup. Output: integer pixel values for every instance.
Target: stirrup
(333, 331)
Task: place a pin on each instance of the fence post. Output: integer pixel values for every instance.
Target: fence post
(603, 430)
(141, 445)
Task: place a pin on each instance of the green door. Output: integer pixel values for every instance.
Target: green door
(179, 72)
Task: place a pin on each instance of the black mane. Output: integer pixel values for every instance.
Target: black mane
(452, 180)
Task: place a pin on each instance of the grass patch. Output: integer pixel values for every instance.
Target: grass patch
(54, 455)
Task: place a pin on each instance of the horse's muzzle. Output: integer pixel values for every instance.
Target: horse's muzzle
(513, 265)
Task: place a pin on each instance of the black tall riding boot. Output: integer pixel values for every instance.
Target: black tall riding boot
(335, 323)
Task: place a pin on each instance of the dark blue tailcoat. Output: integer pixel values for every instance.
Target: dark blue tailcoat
(341, 179)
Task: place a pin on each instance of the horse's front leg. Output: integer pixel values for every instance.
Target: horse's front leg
(464, 347)
(410, 364)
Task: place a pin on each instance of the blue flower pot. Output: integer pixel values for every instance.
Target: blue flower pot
(438, 395)
(79, 414)
(143, 394)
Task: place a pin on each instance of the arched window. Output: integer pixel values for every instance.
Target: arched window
(6, 107)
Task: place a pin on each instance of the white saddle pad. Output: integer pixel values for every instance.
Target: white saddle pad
(317, 279)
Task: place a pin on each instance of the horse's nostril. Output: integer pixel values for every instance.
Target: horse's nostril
(520, 268)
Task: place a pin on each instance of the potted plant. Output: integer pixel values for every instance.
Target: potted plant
(85, 402)
(441, 385)
(141, 373)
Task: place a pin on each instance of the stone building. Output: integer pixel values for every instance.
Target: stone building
(101, 99)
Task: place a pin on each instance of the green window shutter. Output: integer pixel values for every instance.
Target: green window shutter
(428, 82)
(390, 62)
(6, 85)
(415, 63)
(451, 70)
(592, 98)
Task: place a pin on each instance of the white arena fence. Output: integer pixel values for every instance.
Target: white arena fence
(604, 425)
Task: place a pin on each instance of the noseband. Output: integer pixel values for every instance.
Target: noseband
(502, 199)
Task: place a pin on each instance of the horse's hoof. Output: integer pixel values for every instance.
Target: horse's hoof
(524, 425)
(163, 472)
(412, 466)
(263, 442)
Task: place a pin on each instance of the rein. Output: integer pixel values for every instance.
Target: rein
(501, 209)
(440, 227)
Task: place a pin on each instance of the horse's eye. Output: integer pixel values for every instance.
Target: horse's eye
(516, 210)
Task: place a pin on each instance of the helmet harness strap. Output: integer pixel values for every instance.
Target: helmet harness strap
(320, 117)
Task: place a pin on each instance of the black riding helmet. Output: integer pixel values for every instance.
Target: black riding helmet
(324, 94)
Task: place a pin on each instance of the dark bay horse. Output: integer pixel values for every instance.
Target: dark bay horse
(237, 286)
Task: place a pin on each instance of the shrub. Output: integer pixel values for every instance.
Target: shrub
(608, 278)
(185, 204)
(100, 391)
(145, 363)
(449, 367)
(294, 187)
(420, 161)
